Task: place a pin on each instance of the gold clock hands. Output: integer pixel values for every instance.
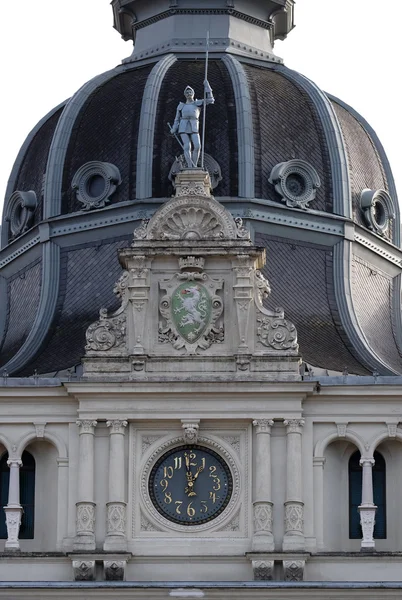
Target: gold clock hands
(199, 470)
(189, 489)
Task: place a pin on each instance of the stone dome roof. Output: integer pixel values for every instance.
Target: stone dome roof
(305, 170)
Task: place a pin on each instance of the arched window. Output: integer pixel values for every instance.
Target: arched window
(355, 496)
(27, 495)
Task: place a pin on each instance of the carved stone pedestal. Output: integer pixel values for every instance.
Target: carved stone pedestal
(13, 521)
(367, 522)
(115, 540)
(113, 566)
(85, 524)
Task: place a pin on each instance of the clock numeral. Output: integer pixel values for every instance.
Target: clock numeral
(177, 462)
(213, 497)
(217, 484)
(190, 510)
(164, 484)
(179, 503)
(212, 473)
(168, 472)
(168, 498)
(204, 507)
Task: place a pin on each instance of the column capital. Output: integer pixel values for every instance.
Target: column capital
(87, 426)
(263, 425)
(14, 462)
(294, 425)
(366, 461)
(117, 426)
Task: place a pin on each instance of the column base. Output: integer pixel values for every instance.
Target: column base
(85, 538)
(293, 543)
(115, 543)
(263, 543)
(263, 539)
(293, 539)
(84, 543)
(367, 522)
(13, 520)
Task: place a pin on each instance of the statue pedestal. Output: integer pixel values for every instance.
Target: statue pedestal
(193, 182)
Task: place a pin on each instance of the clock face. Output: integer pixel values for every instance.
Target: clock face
(190, 485)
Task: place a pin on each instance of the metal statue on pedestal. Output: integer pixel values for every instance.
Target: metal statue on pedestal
(187, 121)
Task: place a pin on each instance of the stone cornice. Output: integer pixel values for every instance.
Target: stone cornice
(202, 11)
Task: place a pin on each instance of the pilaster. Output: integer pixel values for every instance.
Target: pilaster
(367, 508)
(85, 515)
(263, 540)
(116, 506)
(294, 508)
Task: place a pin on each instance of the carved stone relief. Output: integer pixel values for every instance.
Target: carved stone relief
(84, 570)
(85, 522)
(296, 181)
(20, 212)
(211, 165)
(114, 570)
(293, 570)
(263, 570)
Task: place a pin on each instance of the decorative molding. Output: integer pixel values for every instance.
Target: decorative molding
(245, 126)
(263, 517)
(114, 570)
(95, 183)
(85, 520)
(294, 425)
(157, 519)
(21, 250)
(293, 570)
(148, 441)
(233, 441)
(84, 570)
(263, 570)
(378, 210)
(117, 426)
(190, 431)
(146, 128)
(116, 518)
(210, 164)
(296, 181)
(341, 428)
(263, 425)
(40, 429)
(86, 426)
(294, 517)
(20, 212)
(13, 521)
(392, 427)
(392, 254)
(109, 333)
(146, 525)
(233, 525)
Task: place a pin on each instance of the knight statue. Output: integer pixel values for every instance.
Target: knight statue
(187, 123)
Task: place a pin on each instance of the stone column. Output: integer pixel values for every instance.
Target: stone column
(367, 508)
(62, 504)
(85, 519)
(263, 539)
(13, 509)
(116, 507)
(294, 516)
(318, 465)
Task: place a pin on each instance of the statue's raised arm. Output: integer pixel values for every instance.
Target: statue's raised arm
(187, 123)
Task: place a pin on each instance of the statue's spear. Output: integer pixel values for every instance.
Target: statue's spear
(205, 103)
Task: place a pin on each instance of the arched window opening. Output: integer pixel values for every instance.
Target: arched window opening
(355, 496)
(4, 481)
(27, 496)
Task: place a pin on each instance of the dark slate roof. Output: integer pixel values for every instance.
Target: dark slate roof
(107, 130)
(33, 165)
(23, 292)
(300, 275)
(365, 166)
(372, 294)
(286, 126)
(89, 273)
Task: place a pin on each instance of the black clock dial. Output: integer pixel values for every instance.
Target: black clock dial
(190, 485)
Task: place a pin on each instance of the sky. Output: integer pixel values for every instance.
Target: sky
(48, 49)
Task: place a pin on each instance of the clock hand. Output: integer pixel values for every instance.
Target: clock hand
(199, 470)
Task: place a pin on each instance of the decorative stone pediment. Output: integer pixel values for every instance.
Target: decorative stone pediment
(192, 301)
(193, 214)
